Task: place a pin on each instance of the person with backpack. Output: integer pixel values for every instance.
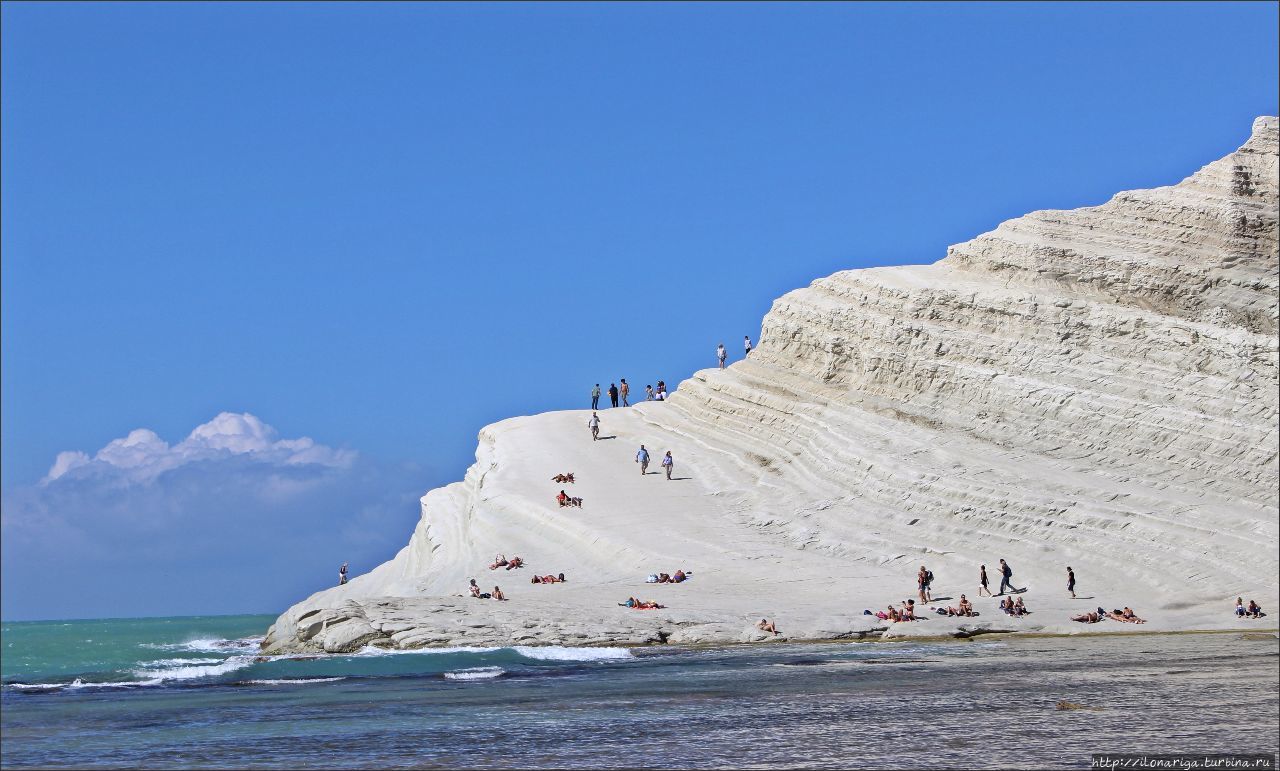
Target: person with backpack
(642, 458)
(613, 394)
(1006, 573)
(923, 579)
(595, 397)
(721, 354)
(594, 425)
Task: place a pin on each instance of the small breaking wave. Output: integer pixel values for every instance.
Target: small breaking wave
(475, 673)
(560, 653)
(197, 671)
(209, 645)
(77, 684)
(295, 681)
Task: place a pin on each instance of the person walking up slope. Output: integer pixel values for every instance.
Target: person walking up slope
(983, 586)
(721, 354)
(594, 425)
(668, 463)
(613, 394)
(595, 397)
(642, 458)
(1006, 573)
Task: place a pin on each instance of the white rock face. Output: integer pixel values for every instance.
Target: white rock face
(1096, 388)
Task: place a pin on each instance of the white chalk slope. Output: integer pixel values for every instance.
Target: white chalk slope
(1095, 388)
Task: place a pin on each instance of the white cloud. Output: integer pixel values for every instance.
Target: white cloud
(142, 456)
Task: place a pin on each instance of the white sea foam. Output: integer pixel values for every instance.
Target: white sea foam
(193, 672)
(180, 662)
(78, 683)
(296, 681)
(209, 645)
(475, 673)
(560, 653)
(370, 650)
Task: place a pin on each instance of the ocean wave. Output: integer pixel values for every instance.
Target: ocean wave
(198, 671)
(475, 673)
(370, 650)
(179, 662)
(560, 653)
(295, 681)
(78, 684)
(209, 645)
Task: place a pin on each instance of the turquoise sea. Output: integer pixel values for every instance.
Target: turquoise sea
(192, 692)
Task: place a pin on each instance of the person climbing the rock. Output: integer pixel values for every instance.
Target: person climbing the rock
(342, 574)
(642, 458)
(746, 344)
(721, 355)
(594, 425)
(595, 397)
(668, 463)
(613, 394)
(623, 390)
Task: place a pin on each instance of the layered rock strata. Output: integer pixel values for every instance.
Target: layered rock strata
(1096, 388)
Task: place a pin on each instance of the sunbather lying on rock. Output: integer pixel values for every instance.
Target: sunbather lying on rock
(562, 478)
(548, 579)
(1126, 616)
(766, 625)
(1092, 617)
(515, 562)
(498, 562)
(635, 604)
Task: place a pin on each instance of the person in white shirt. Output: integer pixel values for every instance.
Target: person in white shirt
(594, 425)
(746, 343)
(721, 354)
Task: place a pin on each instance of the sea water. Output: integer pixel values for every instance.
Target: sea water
(193, 692)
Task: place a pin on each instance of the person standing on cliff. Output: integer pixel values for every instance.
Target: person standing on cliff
(746, 343)
(642, 458)
(595, 397)
(648, 393)
(342, 574)
(623, 390)
(721, 354)
(594, 425)
(1071, 582)
(668, 463)
(613, 394)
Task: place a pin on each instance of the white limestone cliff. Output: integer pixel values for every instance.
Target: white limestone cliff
(1096, 388)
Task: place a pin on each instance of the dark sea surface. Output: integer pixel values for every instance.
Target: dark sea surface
(191, 692)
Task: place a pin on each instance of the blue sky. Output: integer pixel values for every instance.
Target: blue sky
(381, 227)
